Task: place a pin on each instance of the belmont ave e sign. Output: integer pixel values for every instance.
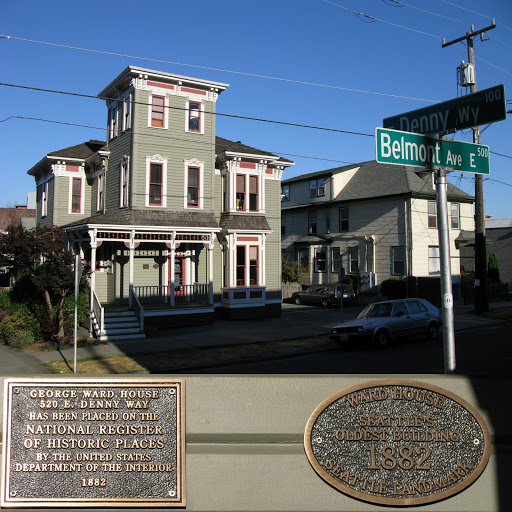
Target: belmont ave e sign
(404, 148)
(474, 109)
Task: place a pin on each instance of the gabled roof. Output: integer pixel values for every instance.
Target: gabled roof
(228, 146)
(374, 180)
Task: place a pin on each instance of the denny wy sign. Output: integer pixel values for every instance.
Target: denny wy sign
(475, 109)
(397, 442)
(83, 443)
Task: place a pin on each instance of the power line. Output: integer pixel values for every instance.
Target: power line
(472, 12)
(382, 21)
(242, 73)
(235, 116)
(166, 137)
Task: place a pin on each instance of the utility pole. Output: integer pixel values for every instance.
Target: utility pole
(481, 294)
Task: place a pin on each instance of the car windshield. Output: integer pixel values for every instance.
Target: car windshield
(376, 310)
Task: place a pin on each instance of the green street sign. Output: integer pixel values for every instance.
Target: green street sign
(481, 107)
(404, 148)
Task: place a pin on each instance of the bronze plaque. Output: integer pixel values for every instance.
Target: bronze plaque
(397, 442)
(86, 442)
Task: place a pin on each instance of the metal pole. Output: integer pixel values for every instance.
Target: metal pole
(78, 268)
(446, 274)
(340, 288)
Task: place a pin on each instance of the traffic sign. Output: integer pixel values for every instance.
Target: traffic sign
(404, 148)
(481, 107)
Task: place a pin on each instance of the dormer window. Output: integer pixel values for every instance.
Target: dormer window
(317, 187)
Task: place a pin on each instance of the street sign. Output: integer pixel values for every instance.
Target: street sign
(481, 107)
(404, 148)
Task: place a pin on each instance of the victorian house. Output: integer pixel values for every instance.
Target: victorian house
(176, 224)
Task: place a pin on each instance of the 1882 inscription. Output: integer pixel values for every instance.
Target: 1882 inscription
(93, 443)
(397, 442)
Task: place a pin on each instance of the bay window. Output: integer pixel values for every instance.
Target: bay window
(194, 117)
(76, 195)
(155, 184)
(193, 184)
(158, 112)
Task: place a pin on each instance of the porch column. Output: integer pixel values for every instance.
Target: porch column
(263, 280)
(94, 246)
(209, 246)
(131, 246)
(172, 251)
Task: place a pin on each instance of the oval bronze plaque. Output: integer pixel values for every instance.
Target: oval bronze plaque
(397, 442)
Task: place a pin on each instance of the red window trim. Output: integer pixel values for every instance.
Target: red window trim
(155, 111)
(160, 184)
(243, 200)
(251, 177)
(199, 117)
(198, 187)
(79, 195)
(257, 266)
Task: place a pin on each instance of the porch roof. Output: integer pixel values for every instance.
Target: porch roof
(143, 219)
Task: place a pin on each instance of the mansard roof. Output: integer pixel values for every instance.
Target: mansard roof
(228, 146)
(149, 218)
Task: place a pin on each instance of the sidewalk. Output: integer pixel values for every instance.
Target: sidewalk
(296, 322)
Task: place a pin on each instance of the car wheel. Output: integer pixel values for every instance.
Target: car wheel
(433, 331)
(325, 303)
(381, 339)
(298, 301)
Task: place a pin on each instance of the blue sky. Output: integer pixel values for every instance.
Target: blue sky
(365, 69)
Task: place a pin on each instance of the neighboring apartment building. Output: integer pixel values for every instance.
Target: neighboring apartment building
(168, 215)
(379, 221)
(498, 236)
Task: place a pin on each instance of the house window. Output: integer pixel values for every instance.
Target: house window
(113, 122)
(240, 192)
(335, 260)
(398, 261)
(455, 215)
(353, 254)
(317, 187)
(303, 258)
(285, 192)
(320, 260)
(193, 187)
(158, 111)
(194, 116)
(123, 195)
(76, 195)
(101, 192)
(344, 218)
(253, 265)
(127, 107)
(434, 260)
(432, 214)
(312, 222)
(155, 184)
(44, 199)
(253, 193)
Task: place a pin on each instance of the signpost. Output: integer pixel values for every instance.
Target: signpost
(403, 148)
(475, 109)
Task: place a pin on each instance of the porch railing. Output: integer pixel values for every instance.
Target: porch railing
(98, 312)
(138, 309)
(186, 294)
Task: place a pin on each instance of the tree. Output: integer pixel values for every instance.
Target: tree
(48, 272)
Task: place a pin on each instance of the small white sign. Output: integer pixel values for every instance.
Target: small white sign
(448, 300)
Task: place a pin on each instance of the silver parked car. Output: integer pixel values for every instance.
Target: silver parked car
(380, 322)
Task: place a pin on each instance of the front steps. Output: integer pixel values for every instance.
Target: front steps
(121, 325)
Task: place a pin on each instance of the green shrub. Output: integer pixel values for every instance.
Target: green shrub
(20, 328)
(394, 288)
(5, 299)
(68, 307)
